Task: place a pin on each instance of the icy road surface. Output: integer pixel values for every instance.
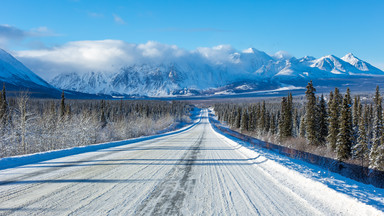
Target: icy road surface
(195, 172)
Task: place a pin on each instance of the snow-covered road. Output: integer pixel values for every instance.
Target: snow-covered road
(195, 172)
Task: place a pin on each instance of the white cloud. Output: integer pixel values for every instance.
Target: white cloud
(282, 55)
(111, 55)
(217, 54)
(118, 19)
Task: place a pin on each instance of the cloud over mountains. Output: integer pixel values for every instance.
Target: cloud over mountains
(110, 55)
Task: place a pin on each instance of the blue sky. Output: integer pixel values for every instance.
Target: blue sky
(312, 27)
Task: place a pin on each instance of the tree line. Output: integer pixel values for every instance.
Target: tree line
(29, 125)
(350, 129)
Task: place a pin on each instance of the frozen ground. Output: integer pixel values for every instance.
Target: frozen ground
(194, 172)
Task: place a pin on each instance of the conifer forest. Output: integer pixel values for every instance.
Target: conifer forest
(339, 125)
(31, 125)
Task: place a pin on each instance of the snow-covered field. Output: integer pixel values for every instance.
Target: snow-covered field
(193, 172)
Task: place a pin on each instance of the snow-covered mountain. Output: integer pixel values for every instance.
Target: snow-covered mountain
(234, 72)
(248, 70)
(14, 72)
(17, 77)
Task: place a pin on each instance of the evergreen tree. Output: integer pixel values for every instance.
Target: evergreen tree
(333, 119)
(377, 130)
(360, 150)
(282, 125)
(238, 118)
(267, 122)
(322, 121)
(310, 116)
(345, 136)
(62, 105)
(272, 129)
(356, 114)
(251, 116)
(302, 127)
(261, 126)
(296, 123)
(286, 117)
(3, 106)
(244, 120)
(103, 119)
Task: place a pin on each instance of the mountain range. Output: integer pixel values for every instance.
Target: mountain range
(242, 72)
(246, 71)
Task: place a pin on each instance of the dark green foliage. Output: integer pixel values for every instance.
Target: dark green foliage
(261, 120)
(344, 125)
(103, 119)
(244, 120)
(3, 106)
(286, 122)
(345, 136)
(302, 127)
(333, 119)
(62, 105)
(377, 130)
(322, 121)
(360, 149)
(310, 115)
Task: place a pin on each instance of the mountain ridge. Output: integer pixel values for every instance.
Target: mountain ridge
(235, 72)
(249, 67)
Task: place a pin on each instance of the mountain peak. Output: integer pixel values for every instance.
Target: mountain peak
(350, 58)
(349, 55)
(13, 72)
(251, 50)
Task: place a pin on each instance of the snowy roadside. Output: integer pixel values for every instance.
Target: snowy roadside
(292, 172)
(15, 161)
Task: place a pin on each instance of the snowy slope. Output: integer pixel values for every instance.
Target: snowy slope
(14, 72)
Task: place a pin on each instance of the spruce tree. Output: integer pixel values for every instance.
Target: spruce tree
(282, 125)
(333, 119)
(261, 120)
(322, 121)
(302, 127)
(244, 120)
(286, 117)
(238, 118)
(103, 119)
(310, 116)
(3, 106)
(250, 118)
(267, 122)
(272, 129)
(356, 114)
(377, 130)
(345, 136)
(295, 124)
(360, 149)
(62, 105)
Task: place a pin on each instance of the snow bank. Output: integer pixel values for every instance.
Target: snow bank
(15, 161)
(325, 177)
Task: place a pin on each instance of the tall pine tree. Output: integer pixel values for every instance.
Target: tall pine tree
(244, 120)
(377, 130)
(322, 121)
(360, 149)
(62, 105)
(345, 136)
(333, 118)
(310, 115)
